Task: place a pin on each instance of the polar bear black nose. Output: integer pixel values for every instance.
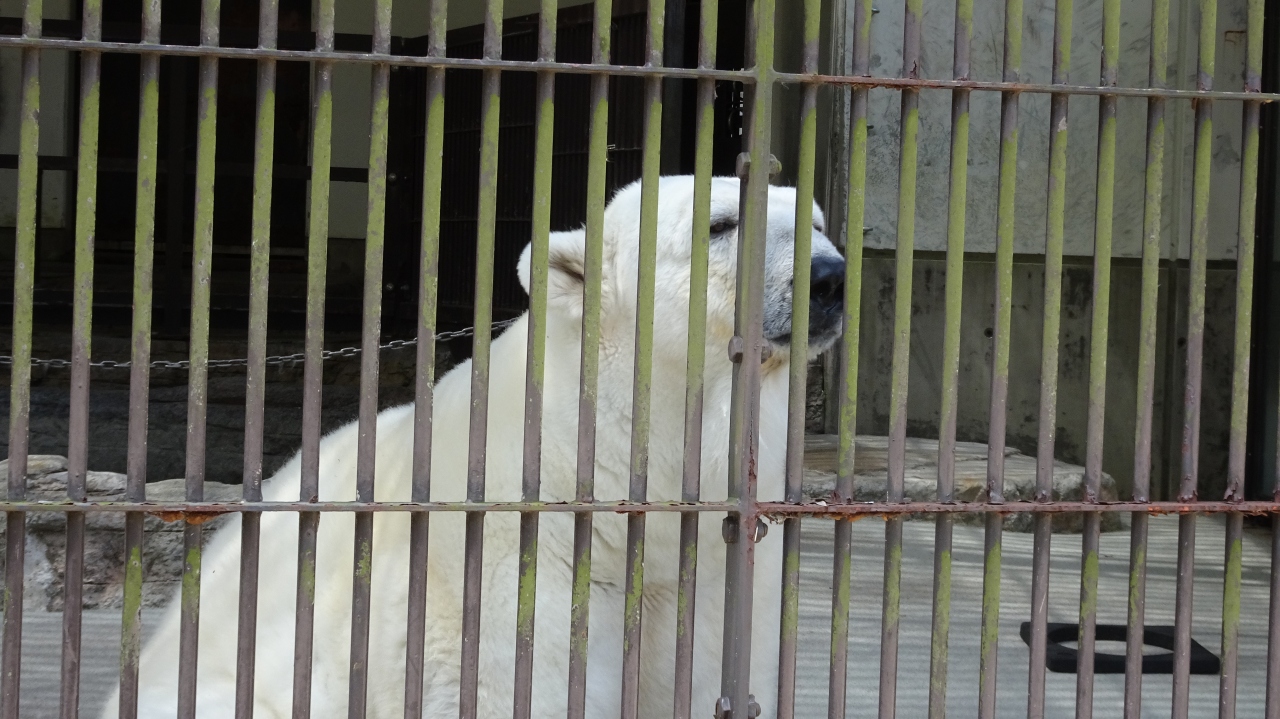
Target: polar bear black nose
(826, 283)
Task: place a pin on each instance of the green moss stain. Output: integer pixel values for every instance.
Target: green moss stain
(191, 582)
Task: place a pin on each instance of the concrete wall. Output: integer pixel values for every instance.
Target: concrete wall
(880, 224)
(925, 388)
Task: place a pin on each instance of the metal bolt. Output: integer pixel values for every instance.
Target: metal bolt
(762, 529)
(736, 348)
(722, 708)
(753, 708)
(729, 530)
(744, 166)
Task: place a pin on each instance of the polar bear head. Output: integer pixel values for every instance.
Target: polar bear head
(622, 218)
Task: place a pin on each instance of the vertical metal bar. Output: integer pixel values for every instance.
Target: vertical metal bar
(1195, 359)
(428, 301)
(535, 360)
(313, 369)
(1240, 373)
(255, 382)
(694, 387)
(140, 357)
(744, 410)
(485, 229)
(597, 155)
(1230, 615)
(901, 362)
(198, 375)
(81, 351)
(1273, 619)
(371, 323)
(24, 264)
(958, 195)
(1103, 219)
(638, 489)
(855, 213)
(1003, 310)
(799, 351)
(1055, 223)
(1151, 244)
(175, 187)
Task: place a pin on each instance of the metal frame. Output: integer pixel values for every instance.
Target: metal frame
(742, 509)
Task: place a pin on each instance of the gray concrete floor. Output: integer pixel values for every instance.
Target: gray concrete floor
(42, 631)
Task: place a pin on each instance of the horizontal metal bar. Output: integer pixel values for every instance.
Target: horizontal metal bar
(198, 510)
(370, 58)
(742, 76)
(782, 509)
(902, 83)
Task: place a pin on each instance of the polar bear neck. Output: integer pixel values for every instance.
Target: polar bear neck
(667, 431)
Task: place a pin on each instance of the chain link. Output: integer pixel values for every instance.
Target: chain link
(272, 361)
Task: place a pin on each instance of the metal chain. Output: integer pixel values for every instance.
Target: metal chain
(272, 361)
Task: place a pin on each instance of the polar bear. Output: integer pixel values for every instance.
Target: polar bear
(219, 594)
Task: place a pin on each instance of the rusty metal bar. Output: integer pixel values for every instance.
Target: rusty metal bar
(1151, 249)
(535, 361)
(691, 480)
(956, 205)
(743, 76)
(198, 376)
(589, 372)
(486, 219)
(425, 375)
(1203, 153)
(1055, 224)
(313, 369)
(255, 382)
(798, 378)
(200, 511)
(81, 351)
(1233, 554)
(367, 58)
(139, 372)
(20, 375)
(1103, 225)
(1007, 86)
(642, 387)
(1240, 370)
(371, 323)
(848, 420)
(1003, 310)
(909, 135)
(1273, 619)
(753, 169)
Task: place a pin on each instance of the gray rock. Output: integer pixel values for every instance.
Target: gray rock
(46, 543)
(920, 478)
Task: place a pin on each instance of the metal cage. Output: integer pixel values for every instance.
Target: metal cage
(742, 509)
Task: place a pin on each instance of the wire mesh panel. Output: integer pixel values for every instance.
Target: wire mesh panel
(599, 545)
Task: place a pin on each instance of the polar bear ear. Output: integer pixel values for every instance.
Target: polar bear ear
(566, 267)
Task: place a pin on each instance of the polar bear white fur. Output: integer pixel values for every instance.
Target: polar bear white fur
(219, 595)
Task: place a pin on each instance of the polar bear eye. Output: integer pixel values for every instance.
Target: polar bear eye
(721, 227)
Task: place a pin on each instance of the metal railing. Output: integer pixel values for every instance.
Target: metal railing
(742, 507)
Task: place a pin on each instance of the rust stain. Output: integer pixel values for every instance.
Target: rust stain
(192, 518)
